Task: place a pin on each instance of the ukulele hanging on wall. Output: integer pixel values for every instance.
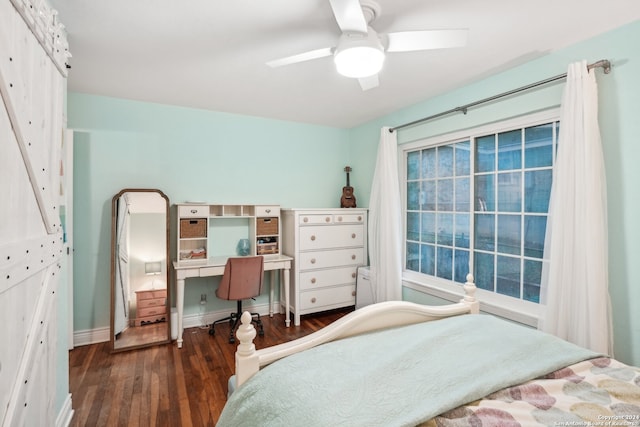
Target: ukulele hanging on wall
(348, 200)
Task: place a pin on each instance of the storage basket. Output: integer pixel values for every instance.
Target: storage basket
(193, 228)
(267, 248)
(267, 226)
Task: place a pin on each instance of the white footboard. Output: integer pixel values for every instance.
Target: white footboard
(370, 318)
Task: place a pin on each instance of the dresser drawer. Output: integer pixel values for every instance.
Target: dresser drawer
(322, 278)
(151, 294)
(349, 218)
(154, 302)
(317, 299)
(267, 210)
(337, 236)
(328, 259)
(151, 311)
(316, 219)
(193, 211)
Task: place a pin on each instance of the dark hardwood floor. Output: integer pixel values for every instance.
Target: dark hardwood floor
(155, 332)
(164, 385)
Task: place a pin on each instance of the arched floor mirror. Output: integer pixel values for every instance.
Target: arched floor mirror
(140, 296)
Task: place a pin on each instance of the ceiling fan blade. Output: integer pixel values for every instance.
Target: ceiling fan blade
(370, 82)
(406, 41)
(301, 57)
(349, 15)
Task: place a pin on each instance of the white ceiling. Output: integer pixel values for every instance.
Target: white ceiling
(211, 54)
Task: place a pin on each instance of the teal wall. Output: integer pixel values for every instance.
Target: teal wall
(222, 158)
(619, 114)
(190, 155)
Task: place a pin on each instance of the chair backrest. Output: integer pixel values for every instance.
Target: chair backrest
(242, 278)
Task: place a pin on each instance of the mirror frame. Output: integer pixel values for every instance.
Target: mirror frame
(114, 215)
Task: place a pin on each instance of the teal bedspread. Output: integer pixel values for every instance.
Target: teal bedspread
(397, 377)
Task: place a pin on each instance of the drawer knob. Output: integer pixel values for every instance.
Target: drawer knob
(353, 293)
(313, 280)
(313, 260)
(339, 219)
(313, 300)
(353, 257)
(305, 219)
(328, 219)
(267, 210)
(194, 211)
(353, 275)
(353, 235)
(359, 218)
(313, 238)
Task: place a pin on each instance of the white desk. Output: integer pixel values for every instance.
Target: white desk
(215, 267)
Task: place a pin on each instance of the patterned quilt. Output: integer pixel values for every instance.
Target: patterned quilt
(596, 392)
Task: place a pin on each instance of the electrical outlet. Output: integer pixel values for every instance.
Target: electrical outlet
(203, 299)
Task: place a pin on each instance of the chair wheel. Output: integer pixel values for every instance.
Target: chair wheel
(232, 340)
(212, 331)
(261, 332)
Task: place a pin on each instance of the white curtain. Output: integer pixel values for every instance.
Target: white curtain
(121, 309)
(574, 292)
(385, 223)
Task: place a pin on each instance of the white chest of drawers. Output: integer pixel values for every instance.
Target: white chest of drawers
(328, 246)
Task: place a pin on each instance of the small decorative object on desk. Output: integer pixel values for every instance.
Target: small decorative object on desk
(243, 247)
(348, 199)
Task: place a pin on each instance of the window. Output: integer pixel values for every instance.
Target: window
(478, 202)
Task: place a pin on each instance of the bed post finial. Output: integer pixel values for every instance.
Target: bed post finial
(246, 333)
(470, 295)
(246, 357)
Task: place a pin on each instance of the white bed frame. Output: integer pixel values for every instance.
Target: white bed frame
(370, 318)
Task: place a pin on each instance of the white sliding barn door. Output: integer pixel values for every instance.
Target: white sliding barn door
(31, 85)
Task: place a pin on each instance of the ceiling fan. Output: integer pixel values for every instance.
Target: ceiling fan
(360, 51)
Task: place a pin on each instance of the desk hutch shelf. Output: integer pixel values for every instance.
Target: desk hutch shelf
(197, 225)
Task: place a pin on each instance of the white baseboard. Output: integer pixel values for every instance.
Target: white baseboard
(66, 413)
(197, 320)
(98, 335)
(90, 336)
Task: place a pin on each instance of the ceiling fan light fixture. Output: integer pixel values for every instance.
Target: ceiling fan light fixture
(359, 55)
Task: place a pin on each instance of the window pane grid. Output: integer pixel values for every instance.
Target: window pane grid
(437, 232)
(506, 178)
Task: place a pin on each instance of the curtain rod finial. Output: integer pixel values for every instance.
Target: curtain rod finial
(605, 64)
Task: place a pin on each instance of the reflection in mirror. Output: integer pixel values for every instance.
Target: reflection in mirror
(140, 309)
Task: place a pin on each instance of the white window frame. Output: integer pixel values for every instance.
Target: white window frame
(518, 310)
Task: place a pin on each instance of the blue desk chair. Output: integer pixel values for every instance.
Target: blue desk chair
(242, 279)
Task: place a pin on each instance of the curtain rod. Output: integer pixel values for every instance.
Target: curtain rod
(604, 63)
